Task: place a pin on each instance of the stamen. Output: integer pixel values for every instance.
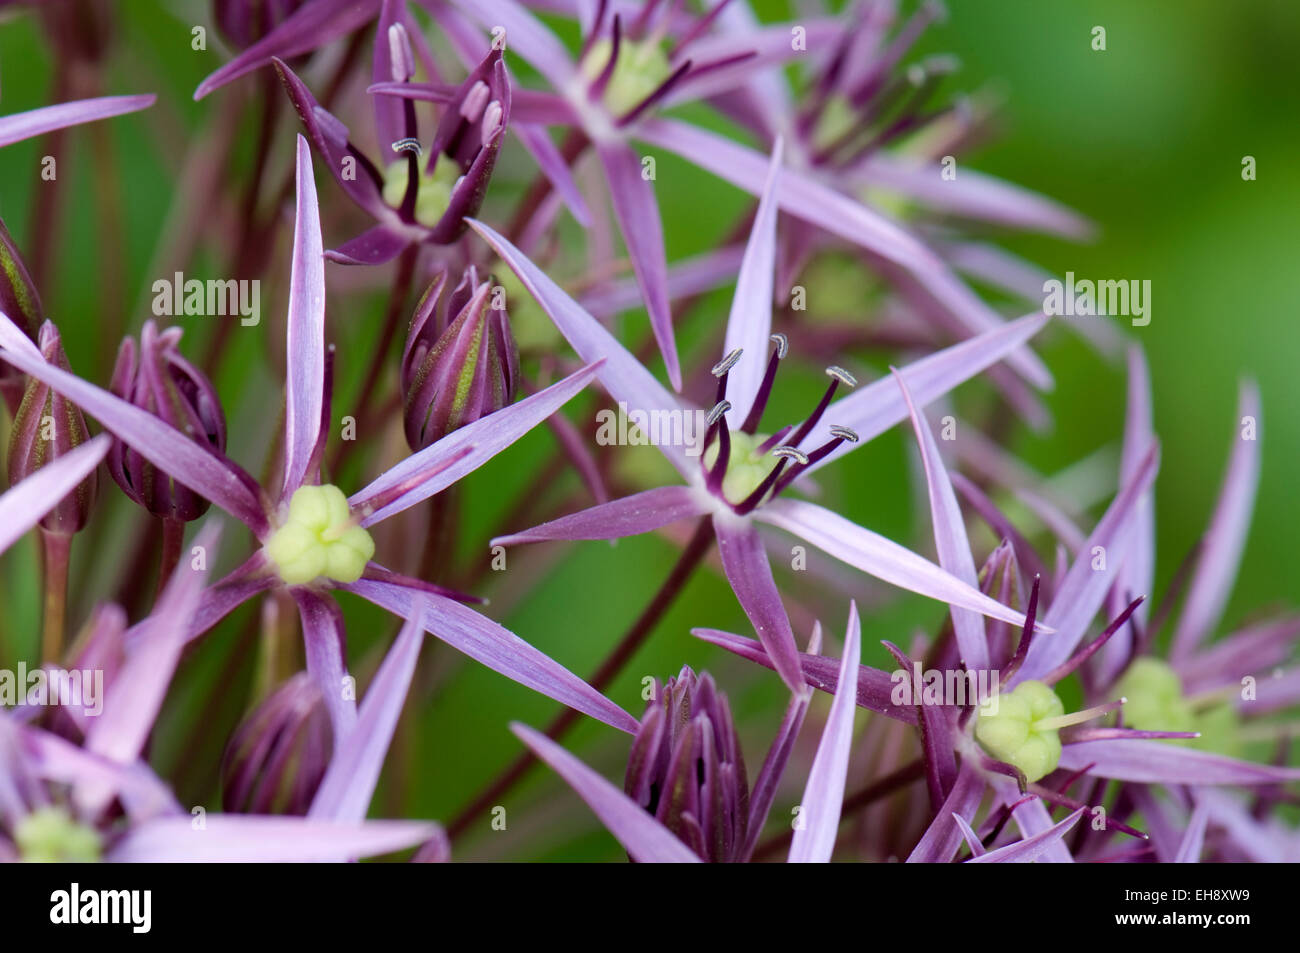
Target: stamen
(782, 344)
(400, 59)
(727, 363)
(838, 376)
(841, 375)
(755, 415)
(791, 453)
(664, 89)
(720, 408)
(409, 144)
(1078, 717)
(475, 101)
(844, 433)
(597, 88)
(491, 122)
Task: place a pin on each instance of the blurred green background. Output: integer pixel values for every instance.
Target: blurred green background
(1145, 138)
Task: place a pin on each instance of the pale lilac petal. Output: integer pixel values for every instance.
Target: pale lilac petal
(1189, 851)
(873, 685)
(687, 277)
(1257, 841)
(951, 541)
(872, 409)
(807, 199)
(823, 797)
(644, 838)
(761, 48)
(525, 35)
(968, 834)
(244, 839)
(136, 694)
(309, 27)
(939, 843)
(749, 324)
(1083, 589)
(305, 344)
(637, 212)
(35, 122)
(323, 636)
(1160, 762)
(623, 376)
(745, 562)
(880, 557)
(763, 792)
(630, 516)
(161, 444)
(22, 506)
(549, 159)
(1220, 558)
(1031, 818)
(349, 783)
(971, 194)
(51, 758)
(496, 647)
(468, 448)
(1030, 849)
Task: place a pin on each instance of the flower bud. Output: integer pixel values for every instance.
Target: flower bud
(277, 756)
(159, 380)
(460, 362)
(687, 770)
(18, 300)
(47, 426)
(244, 22)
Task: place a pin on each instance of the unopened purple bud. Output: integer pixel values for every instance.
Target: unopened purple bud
(277, 756)
(460, 362)
(158, 379)
(18, 300)
(46, 427)
(687, 770)
(244, 22)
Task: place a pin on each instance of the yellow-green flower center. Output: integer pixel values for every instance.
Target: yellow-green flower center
(1155, 702)
(746, 469)
(433, 194)
(838, 118)
(319, 540)
(642, 68)
(1017, 727)
(50, 836)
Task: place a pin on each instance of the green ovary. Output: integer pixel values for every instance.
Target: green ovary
(434, 194)
(640, 70)
(1155, 702)
(51, 836)
(319, 539)
(1008, 728)
(746, 469)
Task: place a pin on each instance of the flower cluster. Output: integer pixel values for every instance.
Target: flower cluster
(304, 502)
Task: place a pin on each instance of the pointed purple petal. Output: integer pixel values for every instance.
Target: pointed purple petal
(968, 834)
(349, 783)
(22, 506)
(323, 636)
(637, 211)
(745, 562)
(823, 797)
(1031, 848)
(525, 35)
(469, 448)
(622, 375)
(749, 324)
(1189, 851)
(1216, 568)
(630, 516)
(548, 158)
(951, 542)
(1159, 762)
(35, 122)
(880, 557)
(644, 838)
(939, 843)
(243, 839)
(769, 775)
(499, 649)
(162, 445)
(374, 246)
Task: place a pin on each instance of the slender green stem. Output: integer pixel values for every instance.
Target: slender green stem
(173, 539)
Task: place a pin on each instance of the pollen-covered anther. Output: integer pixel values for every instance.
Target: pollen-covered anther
(782, 344)
(720, 408)
(727, 363)
(841, 375)
(791, 453)
(844, 433)
(399, 53)
(320, 539)
(409, 144)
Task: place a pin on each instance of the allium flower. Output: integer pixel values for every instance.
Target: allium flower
(314, 539)
(740, 471)
(460, 362)
(413, 201)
